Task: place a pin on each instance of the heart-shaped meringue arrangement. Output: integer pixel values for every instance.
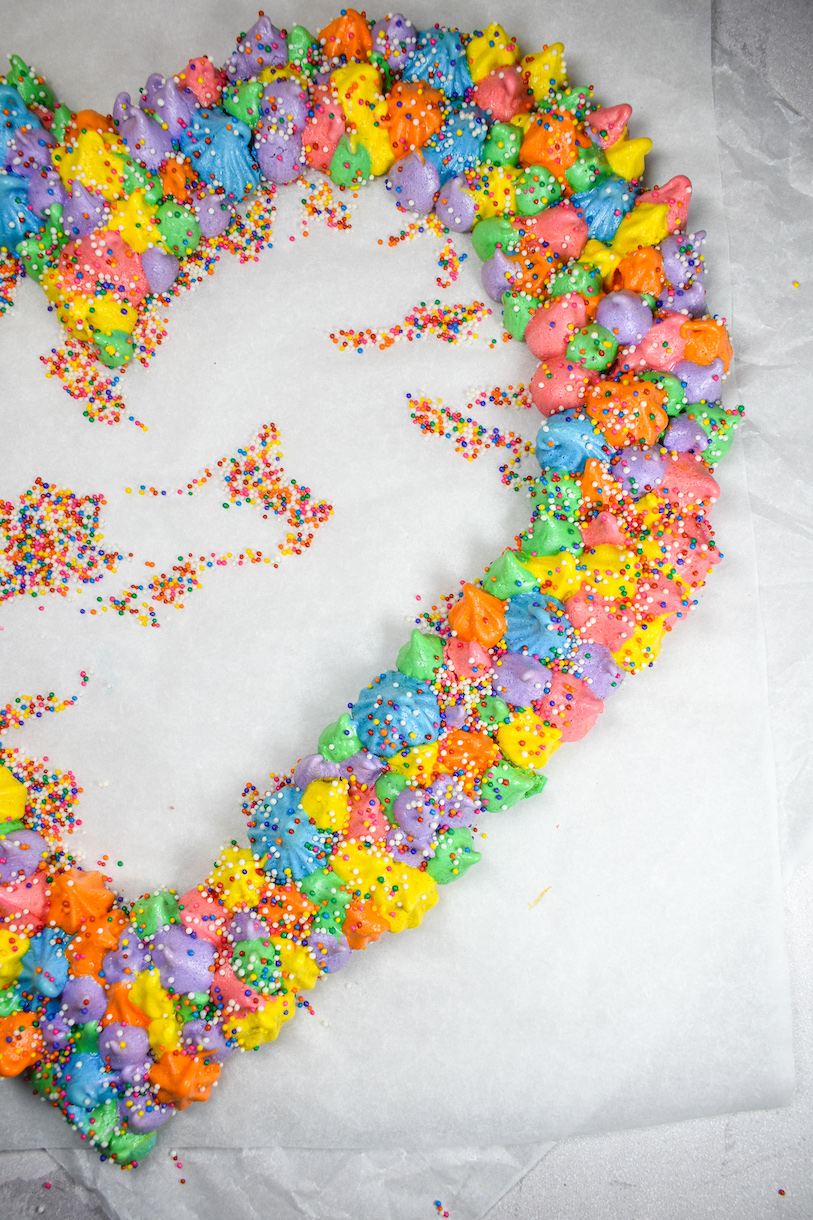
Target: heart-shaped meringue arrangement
(123, 1013)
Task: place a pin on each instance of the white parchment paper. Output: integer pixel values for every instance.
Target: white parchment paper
(651, 985)
(767, 153)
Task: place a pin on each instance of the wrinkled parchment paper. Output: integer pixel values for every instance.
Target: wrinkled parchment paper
(430, 384)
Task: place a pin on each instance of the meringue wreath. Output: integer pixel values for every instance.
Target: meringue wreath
(122, 1013)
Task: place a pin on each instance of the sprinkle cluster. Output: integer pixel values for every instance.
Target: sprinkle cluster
(87, 382)
(253, 476)
(449, 262)
(14, 715)
(51, 800)
(502, 396)
(321, 204)
(172, 588)
(449, 323)
(470, 437)
(52, 539)
(10, 273)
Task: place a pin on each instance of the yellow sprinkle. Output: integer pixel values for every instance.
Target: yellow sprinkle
(531, 905)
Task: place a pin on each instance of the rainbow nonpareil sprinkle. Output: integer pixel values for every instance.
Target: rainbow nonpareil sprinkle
(471, 438)
(52, 542)
(449, 323)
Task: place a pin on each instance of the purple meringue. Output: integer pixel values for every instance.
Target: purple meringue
(171, 107)
(206, 1038)
(685, 435)
(454, 806)
(136, 1073)
(455, 716)
(639, 469)
(278, 152)
(396, 39)
(262, 47)
(285, 101)
(160, 267)
(124, 1045)
(29, 151)
(403, 847)
(415, 183)
(143, 1113)
(83, 1000)
(45, 189)
(83, 211)
(417, 816)
(520, 679)
(625, 315)
(247, 926)
(702, 382)
(55, 1030)
(690, 300)
(20, 853)
(183, 959)
(497, 275)
(681, 257)
(364, 766)
(124, 963)
(684, 271)
(331, 952)
(596, 666)
(455, 207)
(213, 213)
(146, 139)
(312, 767)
